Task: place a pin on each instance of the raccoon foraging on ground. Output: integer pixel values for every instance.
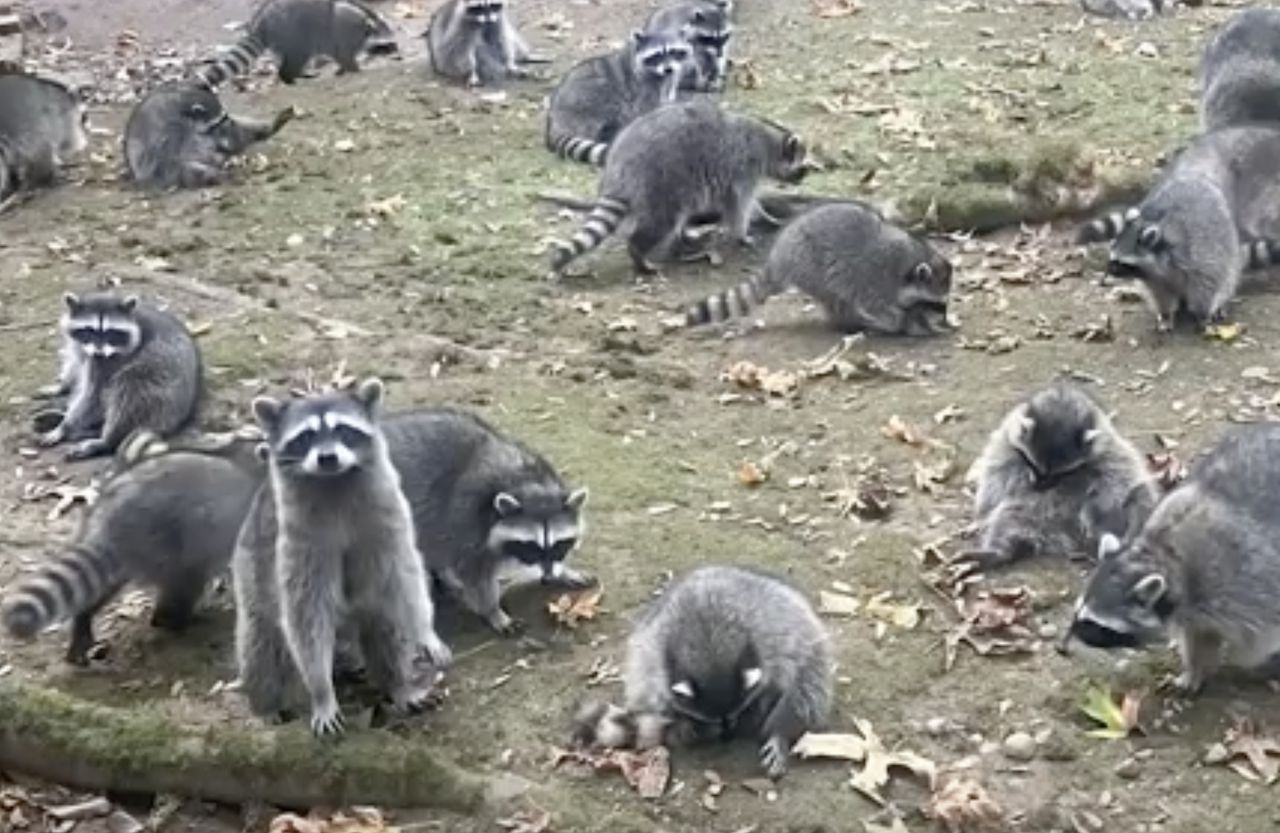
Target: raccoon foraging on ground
(1204, 569)
(481, 501)
(297, 31)
(706, 26)
(1211, 217)
(126, 365)
(1054, 478)
(867, 274)
(329, 546)
(1240, 71)
(42, 128)
(728, 652)
(180, 136)
(600, 96)
(167, 518)
(476, 42)
(678, 163)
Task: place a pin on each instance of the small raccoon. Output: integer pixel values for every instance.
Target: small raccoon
(328, 547)
(706, 26)
(600, 96)
(126, 366)
(726, 652)
(300, 30)
(180, 136)
(1240, 71)
(678, 163)
(42, 128)
(1204, 569)
(867, 274)
(1210, 218)
(166, 518)
(476, 42)
(1055, 477)
(481, 501)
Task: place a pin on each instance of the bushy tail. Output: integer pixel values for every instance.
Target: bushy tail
(733, 302)
(578, 149)
(603, 221)
(1106, 227)
(1263, 254)
(66, 587)
(238, 60)
(142, 444)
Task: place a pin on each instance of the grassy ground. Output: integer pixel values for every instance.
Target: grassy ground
(402, 207)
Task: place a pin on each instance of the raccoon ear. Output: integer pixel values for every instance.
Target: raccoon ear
(639, 38)
(267, 411)
(792, 148)
(1026, 424)
(1090, 435)
(370, 393)
(130, 303)
(683, 688)
(71, 299)
(576, 499)
(751, 678)
(1132, 214)
(262, 452)
(1149, 237)
(1149, 590)
(1108, 545)
(923, 273)
(506, 504)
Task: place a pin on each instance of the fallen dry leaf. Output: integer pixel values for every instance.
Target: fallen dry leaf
(571, 608)
(995, 622)
(929, 476)
(1118, 720)
(905, 616)
(750, 376)
(835, 8)
(1226, 333)
(749, 474)
(962, 805)
(837, 604)
(875, 773)
(895, 826)
(951, 413)
(351, 820)
(1102, 330)
(531, 820)
(647, 772)
(840, 746)
(897, 429)
(1261, 754)
(1167, 468)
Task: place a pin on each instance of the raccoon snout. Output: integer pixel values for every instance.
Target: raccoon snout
(327, 461)
(1119, 269)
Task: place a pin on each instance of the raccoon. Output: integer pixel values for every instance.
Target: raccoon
(481, 501)
(679, 163)
(602, 95)
(703, 663)
(180, 136)
(867, 274)
(297, 31)
(1204, 569)
(476, 42)
(42, 127)
(126, 365)
(1240, 71)
(166, 518)
(1210, 218)
(1054, 478)
(706, 26)
(329, 546)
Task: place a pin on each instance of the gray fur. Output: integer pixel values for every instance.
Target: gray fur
(1204, 569)
(866, 273)
(166, 519)
(180, 136)
(469, 488)
(706, 26)
(126, 365)
(1240, 71)
(1191, 238)
(1055, 477)
(329, 546)
(297, 31)
(678, 163)
(42, 128)
(724, 652)
(600, 96)
(475, 41)
(1124, 9)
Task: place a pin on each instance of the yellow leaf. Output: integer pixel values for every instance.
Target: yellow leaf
(570, 609)
(1118, 720)
(905, 616)
(1225, 333)
(845, 747)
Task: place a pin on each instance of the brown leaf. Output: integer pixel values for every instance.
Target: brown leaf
(750, 376)
(353, 820)
(531, 820)
(962, 805)
(648, 772)
(929, 476)
(1262, 753)
(1098, 332)
(571, 608)
(837, 604)
(951, 413)
(905, 616)
(897, 429)
(835, 8)
(875, 773)
(1167, 468)
(844, 747)
(749, 474)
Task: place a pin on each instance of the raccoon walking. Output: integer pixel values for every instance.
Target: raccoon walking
(180, 136)
(1054, 478)
(329, 545)
(1204, 569)
(729, 652)
(481, 501)
(602, 95)
(679, 163)
(1210, 218)
(297, 31)
(706, 26)
(1240, 71)
(866, 273)
(475, 41)
(42, 128)
(167, 518)
(126, 365)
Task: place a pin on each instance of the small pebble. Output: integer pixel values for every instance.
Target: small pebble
(936, 726)
(989, 748)
(1128, 769)
(1048, 631)
(1019, 746)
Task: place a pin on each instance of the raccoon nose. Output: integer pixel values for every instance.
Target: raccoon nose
(327, 461)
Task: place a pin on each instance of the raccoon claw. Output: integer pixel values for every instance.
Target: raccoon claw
(51, 438)
(418, 700)
(437, 653)
(1184, 685)
(773, 757)
(85, 449)
(506, 625)
(327, 723)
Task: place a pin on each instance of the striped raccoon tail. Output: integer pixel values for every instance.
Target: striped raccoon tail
(602, 222)
(577, 149)
(66, 587)
(142, 444)
(1263, 254)
(734, 302)
(1106, 227)
(238, 60)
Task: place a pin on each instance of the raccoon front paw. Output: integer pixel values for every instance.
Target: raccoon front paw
(437, 653)
(1186, 684)
(327, 721)
(774, 756)
(51, 438)
(85, 449)
(473, 81)
(506, 625)
(418, 699)
(570, 579)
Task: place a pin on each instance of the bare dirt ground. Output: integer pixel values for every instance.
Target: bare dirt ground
(403, 207)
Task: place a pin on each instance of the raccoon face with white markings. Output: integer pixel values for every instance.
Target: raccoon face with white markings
(327, 435)
(484, 12)
(537, 526)
(715, 700)
(1126, 603)
(101, 325)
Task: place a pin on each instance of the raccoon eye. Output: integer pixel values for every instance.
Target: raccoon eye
(350, 437)
(560, 549)
(83, 333)
(923, 273)
(297, 447)
(197, 111)
(116, 338)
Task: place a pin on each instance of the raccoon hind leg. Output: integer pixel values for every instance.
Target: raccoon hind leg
(82, 636)
(650, 241)
(176, 603)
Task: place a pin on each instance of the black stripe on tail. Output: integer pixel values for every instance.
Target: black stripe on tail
(603, 221)
(1263, 254)
(1107, 227)
(734, 302)
(238, 60)
(69, 585)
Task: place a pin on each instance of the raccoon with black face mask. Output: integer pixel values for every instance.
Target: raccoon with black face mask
(476, 41)
(1204, 569)
(727, 652)
(482, 501)
(1055, 477)
(42, 128)
(706, 26)
(1240, 71)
